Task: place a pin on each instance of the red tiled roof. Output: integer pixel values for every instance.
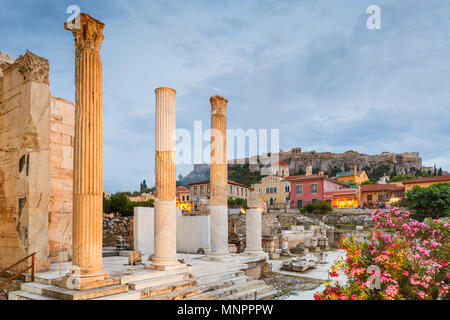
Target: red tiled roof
(182, 189)
(313, 177)
(340, 193)
(208, 181)
(282, 163)
(428, 179)
(381, 187)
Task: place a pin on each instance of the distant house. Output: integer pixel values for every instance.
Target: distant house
(384, 180)
(280, 168)
(425, 182)
(352, 177)
(310, 188)
(200, 191)
(377, 194)
(274, 191)
(183, 194)
(142, 197)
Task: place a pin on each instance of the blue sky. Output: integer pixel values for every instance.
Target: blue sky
(309, 68)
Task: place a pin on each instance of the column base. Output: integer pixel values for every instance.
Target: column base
(165, 264)
(74, 281)
(257, 253)
(218, 256)
(165, 267)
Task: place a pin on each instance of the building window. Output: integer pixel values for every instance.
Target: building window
(230, 189)
(286, 199)
(209, 189)
(195, 190)
(313, 200)
(187, 198)
(299, 190)
(287, 188)
(314, 188)
(202, 189)
(380, 197)
(369, 197)
(259, 190)
(271, 201)
(299, 204)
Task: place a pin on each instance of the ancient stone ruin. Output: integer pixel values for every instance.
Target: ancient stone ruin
(36, 164)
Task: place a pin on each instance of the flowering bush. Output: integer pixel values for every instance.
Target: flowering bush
(408, 258)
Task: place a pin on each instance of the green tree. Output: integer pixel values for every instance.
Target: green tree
(433, 201)
(242, 174)
(402, 178)
(120, 204)
(379, 171)
(368, 182)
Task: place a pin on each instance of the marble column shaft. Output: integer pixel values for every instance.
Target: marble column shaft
(165, 179)
(88, 148)
(219, 177)
(253, 225)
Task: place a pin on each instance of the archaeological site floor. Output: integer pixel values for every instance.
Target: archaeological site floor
(201, 279)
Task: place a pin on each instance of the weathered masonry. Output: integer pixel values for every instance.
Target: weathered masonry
(36, 164)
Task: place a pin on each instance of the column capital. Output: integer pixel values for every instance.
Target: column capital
(33, 67)
(165, 89)
(218, 105)
(88, 32)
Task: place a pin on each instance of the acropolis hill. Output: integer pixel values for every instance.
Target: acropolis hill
(402, 163)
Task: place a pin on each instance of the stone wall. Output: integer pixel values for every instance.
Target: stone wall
(24, 160)
(61, 171)
(36, 132)
(116, 230)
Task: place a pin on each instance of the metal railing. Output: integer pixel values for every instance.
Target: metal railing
(21, 272)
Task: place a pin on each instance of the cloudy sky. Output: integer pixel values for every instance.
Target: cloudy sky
(310, 68)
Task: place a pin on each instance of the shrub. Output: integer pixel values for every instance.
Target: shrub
(319, 207)
(411, 258)
(233, 203)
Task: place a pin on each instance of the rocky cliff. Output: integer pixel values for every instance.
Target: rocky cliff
(331, 163)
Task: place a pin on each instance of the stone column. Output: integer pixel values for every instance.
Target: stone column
(253, 226)
(165, 182)
(219, 178)
(88, 151)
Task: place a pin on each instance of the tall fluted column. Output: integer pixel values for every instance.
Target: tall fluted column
(165, 181)
(88, 151)
(253, 226)
(219, 178)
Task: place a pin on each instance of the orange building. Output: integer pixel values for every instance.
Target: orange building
(425, 182)
(376, 194)
(184, 199)
(354, 177)
(345, 198)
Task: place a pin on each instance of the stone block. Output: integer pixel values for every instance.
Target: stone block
(144, 220)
